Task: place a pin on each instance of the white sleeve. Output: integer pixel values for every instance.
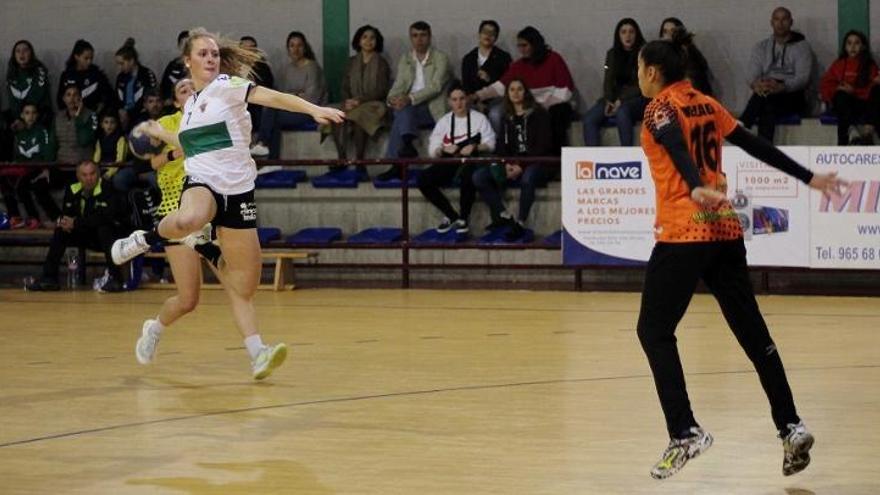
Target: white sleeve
(487, 134)
(233, 89)
(435, 143)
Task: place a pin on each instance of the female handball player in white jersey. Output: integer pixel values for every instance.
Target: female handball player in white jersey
(215, 135)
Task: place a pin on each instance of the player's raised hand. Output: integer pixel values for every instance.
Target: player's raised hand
(829, 184)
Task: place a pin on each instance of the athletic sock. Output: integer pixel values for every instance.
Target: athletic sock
(152, 237)
(254, 344)
(210, 252)
(157, 327)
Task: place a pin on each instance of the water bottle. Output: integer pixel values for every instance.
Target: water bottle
(72, 271)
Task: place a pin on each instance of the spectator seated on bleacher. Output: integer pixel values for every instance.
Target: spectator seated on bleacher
(621, 98)
(846, 87)
(417, 95)
(779, 72)
(262, 75)
(463, 132)
(302, 77)
(33, 143)
(111, 147)
(174, 71)
(481, 67)
(525, 132)
(365, 86)
(697, 70)
(545, 72)
(132, 83)
(90, 218)
(27, 81)
(89, 78)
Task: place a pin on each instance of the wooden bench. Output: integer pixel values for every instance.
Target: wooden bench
(282, 280)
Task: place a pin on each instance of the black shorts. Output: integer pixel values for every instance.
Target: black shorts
(234, 211)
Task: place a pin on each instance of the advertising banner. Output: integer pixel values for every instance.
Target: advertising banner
(845, 231)
(608, 208)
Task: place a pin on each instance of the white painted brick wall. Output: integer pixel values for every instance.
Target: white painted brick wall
(580, 30)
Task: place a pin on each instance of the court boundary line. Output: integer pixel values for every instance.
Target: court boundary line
(410, 393)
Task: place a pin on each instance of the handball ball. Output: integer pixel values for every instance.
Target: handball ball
(142, 145)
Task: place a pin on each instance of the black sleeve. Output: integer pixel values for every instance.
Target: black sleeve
(68, 204)
(469, 79)
(671, 137)
(759, 148)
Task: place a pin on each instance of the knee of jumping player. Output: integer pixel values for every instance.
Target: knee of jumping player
(189, 222)
(188, 302)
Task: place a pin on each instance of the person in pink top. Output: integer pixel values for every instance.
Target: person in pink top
(847, 86)
(546, 74)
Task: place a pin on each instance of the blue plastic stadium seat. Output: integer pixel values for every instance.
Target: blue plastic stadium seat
(280, 179)
(554, 239)
(267, 234)
(496, 236)
(315, 235)
(790, 119)
(377, 235)
(347, 179)
(396, 182)
(431, 236)
(828, 118)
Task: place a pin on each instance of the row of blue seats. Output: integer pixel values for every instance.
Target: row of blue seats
(347, 178)
(315, 236)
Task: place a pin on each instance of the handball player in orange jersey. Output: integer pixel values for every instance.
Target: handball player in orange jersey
(699, 237)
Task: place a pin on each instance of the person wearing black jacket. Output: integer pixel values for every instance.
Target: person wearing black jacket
(481, 67)
(262, 75)
(174, 71)
(90, 217)
(79, 71)
(526, 131)
(621, 98)
(132, 83)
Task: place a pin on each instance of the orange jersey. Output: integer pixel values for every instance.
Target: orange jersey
(704, 123)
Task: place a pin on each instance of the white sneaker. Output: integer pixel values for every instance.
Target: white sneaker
(260, 151)
(145, 349)
(134, 245)
(680, 451)
(796, 445)
(198, 238)
(269, 358)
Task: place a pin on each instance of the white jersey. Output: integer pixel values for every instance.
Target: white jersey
(463, 127)
(215, 135)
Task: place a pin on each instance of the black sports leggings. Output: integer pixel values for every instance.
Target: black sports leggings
(670, 280)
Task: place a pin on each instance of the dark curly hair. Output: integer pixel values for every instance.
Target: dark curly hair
(356, 39)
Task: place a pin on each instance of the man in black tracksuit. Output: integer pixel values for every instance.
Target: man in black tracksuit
(90, 218)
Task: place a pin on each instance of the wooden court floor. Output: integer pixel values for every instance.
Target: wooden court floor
(420, 392)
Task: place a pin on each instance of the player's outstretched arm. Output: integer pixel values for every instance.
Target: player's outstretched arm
(283, 101)
(763, 150)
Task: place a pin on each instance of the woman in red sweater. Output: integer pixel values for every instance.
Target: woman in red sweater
(847, 84)
(546, 74)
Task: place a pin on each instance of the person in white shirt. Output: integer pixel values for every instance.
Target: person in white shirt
(215, 135)
(463, 132)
